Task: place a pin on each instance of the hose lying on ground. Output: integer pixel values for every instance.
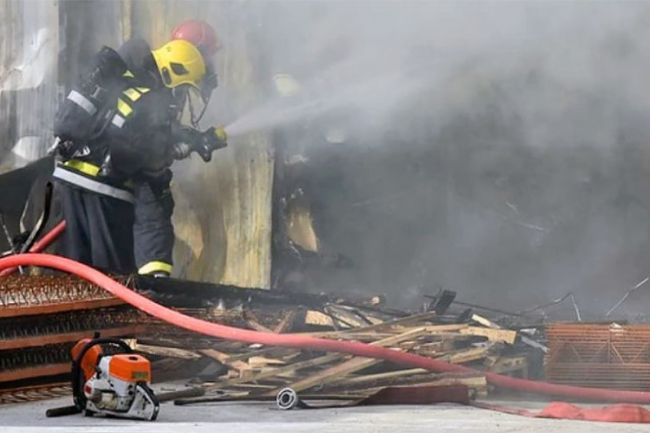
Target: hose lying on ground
(307, 342)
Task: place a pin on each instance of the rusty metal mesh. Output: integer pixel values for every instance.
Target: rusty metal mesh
(599, 355)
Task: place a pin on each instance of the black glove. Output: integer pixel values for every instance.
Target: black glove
(211, 140)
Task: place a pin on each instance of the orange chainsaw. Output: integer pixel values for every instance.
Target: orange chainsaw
(109, 379)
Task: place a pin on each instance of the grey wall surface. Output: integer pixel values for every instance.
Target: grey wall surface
(29, 45)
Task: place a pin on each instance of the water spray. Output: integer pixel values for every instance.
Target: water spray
(363, 98)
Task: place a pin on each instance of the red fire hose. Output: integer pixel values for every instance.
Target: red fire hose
(49, 237)
(40, 245)
(308, 342)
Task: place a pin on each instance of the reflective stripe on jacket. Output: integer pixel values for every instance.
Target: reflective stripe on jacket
(85, 175)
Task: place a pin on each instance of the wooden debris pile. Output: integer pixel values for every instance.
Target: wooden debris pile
(43, 317)
(238, 370)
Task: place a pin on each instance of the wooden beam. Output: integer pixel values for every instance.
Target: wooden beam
(497, 335)
(507, 364)
(485, 321)
(443, 329)
(345, 317)
(465, 355)
(526, 340)
(384, 326)
(317, 318)
(262, 351)
(287, 369)
(262, 361)
(368, 378)
(224, 358)
(369, 331)
(254, 322)
(287, 322)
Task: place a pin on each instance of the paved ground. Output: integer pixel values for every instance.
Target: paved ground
(259, 417)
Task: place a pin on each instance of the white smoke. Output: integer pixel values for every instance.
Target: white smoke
(507, 139)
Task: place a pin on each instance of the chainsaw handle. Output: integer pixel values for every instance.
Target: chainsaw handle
(62, 411)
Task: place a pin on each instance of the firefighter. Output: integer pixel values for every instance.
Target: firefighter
(113, 183)
(153, 230)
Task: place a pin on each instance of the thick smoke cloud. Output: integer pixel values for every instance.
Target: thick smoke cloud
(495, 148)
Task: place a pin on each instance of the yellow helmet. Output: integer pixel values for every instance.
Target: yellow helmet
(179, 62)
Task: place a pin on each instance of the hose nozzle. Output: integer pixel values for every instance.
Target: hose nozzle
(220, 133)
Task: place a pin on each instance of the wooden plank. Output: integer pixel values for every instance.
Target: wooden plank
(401, 321)
(354, 364)
(254, 322)
(348, 318)
(224, 358)
(368, 331)
(465, 355)
(470, 381)
(170, 352)
(277, 351)
(507, 364)
(287, 322)
(254, 386)
(504, 335)
(443, 329)
(421, 375)
(323, 377)
(386, 325)
(369, 315)
(526, 340)
(261, 361)
(287, 369)
(364, 336)
(484, 321)
(369, 378)
(317, 318)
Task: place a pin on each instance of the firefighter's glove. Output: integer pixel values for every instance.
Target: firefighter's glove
(211, 140)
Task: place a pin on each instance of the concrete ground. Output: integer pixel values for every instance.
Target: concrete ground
(261, 417)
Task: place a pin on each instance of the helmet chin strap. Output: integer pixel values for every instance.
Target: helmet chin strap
(195, 120)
